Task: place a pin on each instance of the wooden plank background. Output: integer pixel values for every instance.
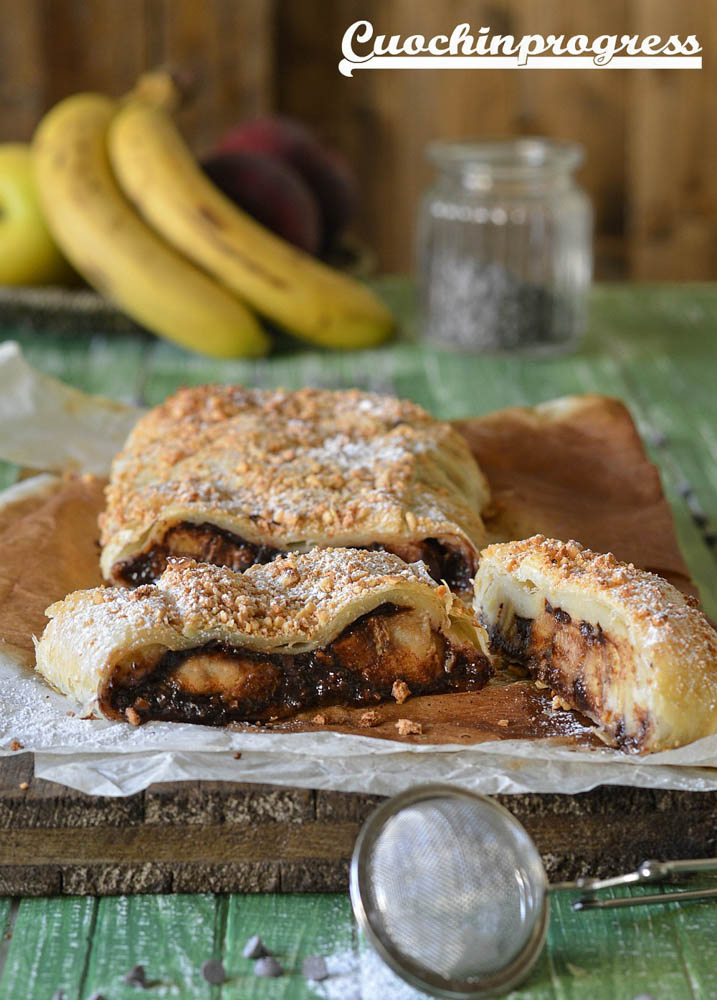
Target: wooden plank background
(651, 148)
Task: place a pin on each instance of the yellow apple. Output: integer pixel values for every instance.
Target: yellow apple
(28, 253)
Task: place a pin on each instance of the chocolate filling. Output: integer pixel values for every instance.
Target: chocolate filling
(207, 543)
(358, 668)
(575, 659)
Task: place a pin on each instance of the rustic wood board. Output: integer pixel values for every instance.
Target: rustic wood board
(234, 837)
(572, 470)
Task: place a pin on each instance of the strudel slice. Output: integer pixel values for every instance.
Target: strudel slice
(207, 645)
(620, 645)
(236, 476)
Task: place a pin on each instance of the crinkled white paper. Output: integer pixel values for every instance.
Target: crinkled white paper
(45, 424)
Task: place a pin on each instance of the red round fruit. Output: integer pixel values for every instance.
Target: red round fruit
(271, 192)
(327, 173)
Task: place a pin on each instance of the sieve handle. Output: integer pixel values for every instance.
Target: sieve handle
(648, 871)
(592, 903)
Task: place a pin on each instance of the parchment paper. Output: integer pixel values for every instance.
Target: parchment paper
(46, 425)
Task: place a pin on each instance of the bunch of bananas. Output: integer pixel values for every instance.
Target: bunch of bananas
(131, 209)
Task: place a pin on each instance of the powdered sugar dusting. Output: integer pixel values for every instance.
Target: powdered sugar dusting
(664, 615)
(362, 976)
(291, 598)
(285, 468)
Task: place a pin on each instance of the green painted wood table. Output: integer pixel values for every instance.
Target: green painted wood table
(653, 346)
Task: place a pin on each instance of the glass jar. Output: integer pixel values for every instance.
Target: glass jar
(504, 246)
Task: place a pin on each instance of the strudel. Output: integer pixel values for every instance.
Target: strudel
(206, 645)
(235, 476)
(620, 645)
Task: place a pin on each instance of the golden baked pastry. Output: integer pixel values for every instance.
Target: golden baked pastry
(207, 645)
(234, 476)
(620, 645)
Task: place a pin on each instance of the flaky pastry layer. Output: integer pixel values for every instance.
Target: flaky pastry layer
(294, 605)
(622, 646)
(293, 470)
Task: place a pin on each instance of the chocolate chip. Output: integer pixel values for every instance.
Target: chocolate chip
(255, 948)
(213, 972)
(136, 977)
(268, 968)
(314, 967)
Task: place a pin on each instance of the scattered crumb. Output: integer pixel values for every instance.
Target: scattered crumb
(237, 755)
(71, 714)
(132, 716)
(90, 715)
(406, 727)
(400, 691)
(319, 720)
(369, 719)
(577, 971)
(503, 722)
(23, 786)
(335, 717)
(559, 704)
(16, 745)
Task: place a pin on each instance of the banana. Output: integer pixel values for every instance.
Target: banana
(162, 179)
(116, 251)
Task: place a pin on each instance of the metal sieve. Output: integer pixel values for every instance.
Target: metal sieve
(451, 891)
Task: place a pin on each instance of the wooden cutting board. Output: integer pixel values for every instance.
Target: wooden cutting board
(574, 468)
(232, 837)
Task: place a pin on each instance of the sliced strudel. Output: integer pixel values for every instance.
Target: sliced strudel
(207, 645)
(236, 476)
(620, 645)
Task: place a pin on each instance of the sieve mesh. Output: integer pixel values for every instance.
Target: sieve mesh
(455, 886)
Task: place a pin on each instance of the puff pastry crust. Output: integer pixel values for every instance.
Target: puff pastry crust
(234, 476)
(622, 646)
(207, 645)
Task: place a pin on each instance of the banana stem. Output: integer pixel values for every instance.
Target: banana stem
(163, 88)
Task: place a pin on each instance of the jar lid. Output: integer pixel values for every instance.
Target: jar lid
(506, 157)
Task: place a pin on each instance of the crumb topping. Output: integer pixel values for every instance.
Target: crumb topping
(296, 596)
(293, 462)
(296, 593)
(664, 613)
